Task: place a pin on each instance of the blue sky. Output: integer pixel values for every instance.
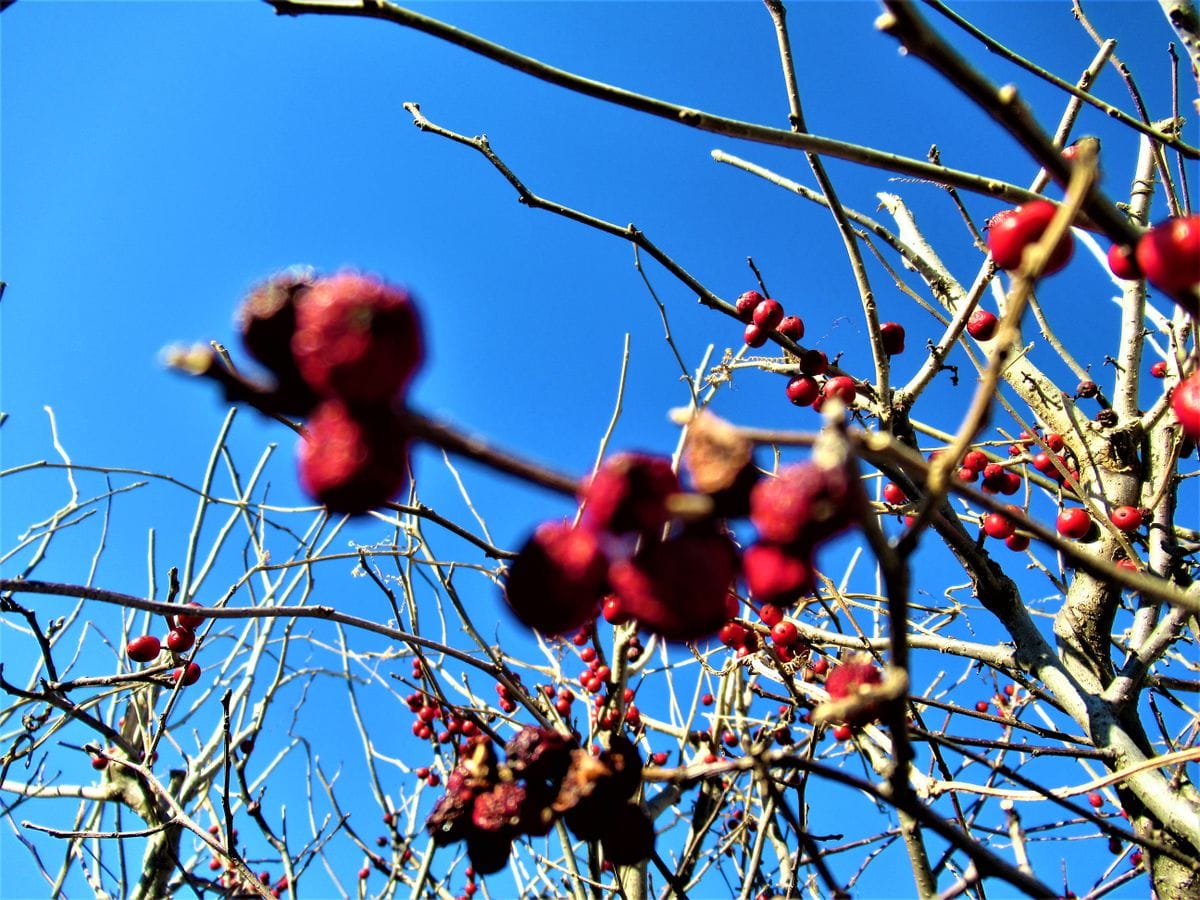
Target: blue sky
(159, 158)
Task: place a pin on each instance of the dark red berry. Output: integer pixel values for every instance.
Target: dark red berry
(982, 325)
(842, 387)
(629, 493)
(180, 639)
(803, 390)
(189, 619)
(143, 649)
(767, 314)
(186, 675)
(352, 463)
(745, 304)
(892, 334)
(755, 335)
(814, 362)
(557, 581)
(791, 327)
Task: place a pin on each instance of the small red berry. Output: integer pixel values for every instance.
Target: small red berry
(707, 700)
(791, 327)
(1159, 369)
(1017, 542)
(820, 665)
(1169, 254)
(98, 762)
(745, 304)
(186, 675)
(975, 459)
(1126, 518)
(982, 325)
(814, 362)
(190, 619)
(143, 649)
(755, 335)
(892, 334)
(1073, 523)
(842, 733)
(1127, 564)
(1054, 441)
(1009, 236)
(894, 494)
(767, 314)
(660, 758)
(1087, 388)
(180, 640)
(999, 526)
(770, 614)
(982, 706)
(1122, 263)
(1185, 401)
(803, 390)
(842, 387)
(357, 339)
(1095, 800)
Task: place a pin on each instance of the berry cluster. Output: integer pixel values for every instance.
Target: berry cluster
(639, 554)
(343, 351)
(545, 777)
(180, 637)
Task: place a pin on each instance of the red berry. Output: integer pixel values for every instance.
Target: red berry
(892, 334)
(975, 459)
(732, 634)
(357, 339)
(791, 327)
(190, 620)
(803, 390)
(820, 665)
(363, 873)
(660, 758)
(1122, 263)
(842, 387)
(1159, 369)
(745, 304)
(558, 579)
(775, 572)
(982, 325)
(755, 335)
(143, 649)
(785, 634)
(1185, 400)
(842, 733)
(982, 706)
(1054, 441)
(804, 504)
(98, 762)
(707, 700)
(1017, 542)
(770, 614)
(1087, 388)
(1169, 254)
(629, 493)
(894, 494)
(997, 525)
(1012, 483)
(352, 463)
(614, 611)
(1126, 518)
(180, 640)
(1008, 236)
(767, 314)
(678, 588)
(1073, 523)
(814, 362)
(1095, 800)
(186, 675)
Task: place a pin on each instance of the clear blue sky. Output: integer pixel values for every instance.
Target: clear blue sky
(159, 158)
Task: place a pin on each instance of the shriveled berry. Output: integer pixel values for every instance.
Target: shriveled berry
(267, 321)
(629, 493)
(557, 581)
(982, 325)
(892, 334)
(357, 339)
(1087, 388)
(805, 504)
(143, 649)
(352, 463)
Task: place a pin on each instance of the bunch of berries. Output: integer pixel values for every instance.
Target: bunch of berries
(342, 350)
(180, 637)
(545, 777)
